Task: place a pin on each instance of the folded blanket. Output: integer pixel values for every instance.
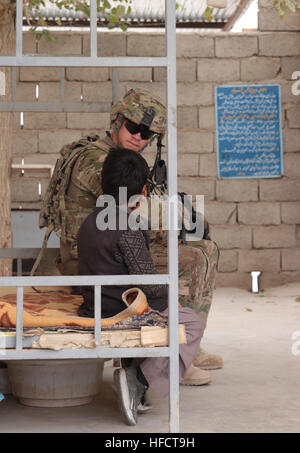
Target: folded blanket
(60, 309)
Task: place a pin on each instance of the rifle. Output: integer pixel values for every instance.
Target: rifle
(158, 174)
(158, 184)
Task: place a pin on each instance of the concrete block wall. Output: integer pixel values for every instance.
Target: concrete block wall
(269, 20)
(256, 222)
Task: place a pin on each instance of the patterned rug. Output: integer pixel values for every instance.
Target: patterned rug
(58, 309)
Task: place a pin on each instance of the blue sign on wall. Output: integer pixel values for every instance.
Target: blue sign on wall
(249, 138)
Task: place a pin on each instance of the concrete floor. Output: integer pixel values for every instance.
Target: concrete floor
(256, 391)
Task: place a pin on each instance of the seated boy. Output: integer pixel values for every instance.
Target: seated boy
(119, 251)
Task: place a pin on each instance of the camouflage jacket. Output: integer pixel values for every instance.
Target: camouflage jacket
(83, 190)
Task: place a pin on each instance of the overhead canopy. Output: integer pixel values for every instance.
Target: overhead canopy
(145, 13)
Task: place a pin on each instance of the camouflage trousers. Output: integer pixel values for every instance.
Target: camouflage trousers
(197, 268)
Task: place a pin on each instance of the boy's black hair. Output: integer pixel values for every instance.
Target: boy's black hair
(124, 168)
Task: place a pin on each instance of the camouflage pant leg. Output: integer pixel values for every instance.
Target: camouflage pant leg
(197, 273)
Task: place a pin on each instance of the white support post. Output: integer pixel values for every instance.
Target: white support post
(97, 314)
(173, 215)
(93, 61)
(19, 29)
(93, 28)
(19, 320)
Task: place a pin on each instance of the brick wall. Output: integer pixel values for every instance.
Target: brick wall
(255, 222)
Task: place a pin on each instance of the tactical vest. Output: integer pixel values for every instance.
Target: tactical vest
(53, 213)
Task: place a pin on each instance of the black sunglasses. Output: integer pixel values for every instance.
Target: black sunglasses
(136, 128)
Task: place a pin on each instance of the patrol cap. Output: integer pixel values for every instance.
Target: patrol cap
(143, 108)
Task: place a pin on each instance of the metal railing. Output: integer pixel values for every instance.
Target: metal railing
(172, 351)
(96, 281)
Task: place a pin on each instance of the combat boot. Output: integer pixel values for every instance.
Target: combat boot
(196, 376)
(207, 361)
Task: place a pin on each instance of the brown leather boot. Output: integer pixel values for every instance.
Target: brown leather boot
(196, 376)
(207, 361)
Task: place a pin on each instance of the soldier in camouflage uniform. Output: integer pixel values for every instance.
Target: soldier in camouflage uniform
(135, 121)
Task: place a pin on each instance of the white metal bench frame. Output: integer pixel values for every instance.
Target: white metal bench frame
(171, 279)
